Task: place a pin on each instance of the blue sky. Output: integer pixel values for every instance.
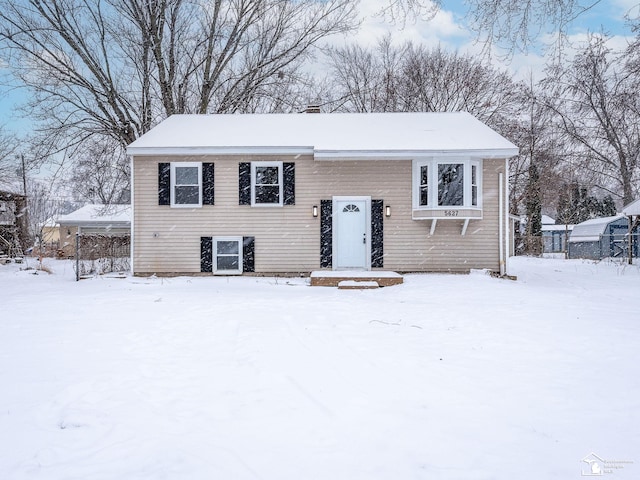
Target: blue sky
(446, 28)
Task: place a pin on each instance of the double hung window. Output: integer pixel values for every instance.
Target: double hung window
(266, 183)
(186, 184)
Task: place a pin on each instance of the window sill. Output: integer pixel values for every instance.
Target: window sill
(452, 213)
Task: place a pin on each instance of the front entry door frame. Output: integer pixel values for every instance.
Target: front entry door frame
(340, 201)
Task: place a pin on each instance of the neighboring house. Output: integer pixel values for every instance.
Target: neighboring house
(600, 238)
(113, 220)
(554, 237)
(294, 193)
(632, 210)
(50, 232)
(14, 232)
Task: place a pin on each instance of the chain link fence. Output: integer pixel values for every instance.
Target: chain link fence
(615, 246)
(99, 254)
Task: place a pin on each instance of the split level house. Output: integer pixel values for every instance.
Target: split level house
(297, 193)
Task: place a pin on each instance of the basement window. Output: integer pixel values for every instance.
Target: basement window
(227, 255)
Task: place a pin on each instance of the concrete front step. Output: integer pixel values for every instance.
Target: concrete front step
(357, 285)
(326, 278)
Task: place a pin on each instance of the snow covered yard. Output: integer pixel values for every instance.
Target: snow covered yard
(444, 377)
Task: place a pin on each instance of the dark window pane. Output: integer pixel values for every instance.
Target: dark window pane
(227, 247)
(228, 263)
(268, 194)
(186, 176)
(266, 175)
(424, 195)
(187, 195)
(474, 185)
(451, 184)
(424, 175)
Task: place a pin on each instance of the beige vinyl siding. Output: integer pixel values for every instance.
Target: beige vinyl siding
(287, 239)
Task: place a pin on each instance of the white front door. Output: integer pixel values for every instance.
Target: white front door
(351, 234)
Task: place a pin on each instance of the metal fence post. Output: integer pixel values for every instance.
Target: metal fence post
(77, 256)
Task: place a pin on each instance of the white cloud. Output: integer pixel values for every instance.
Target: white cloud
(442, 29)
(630, 7)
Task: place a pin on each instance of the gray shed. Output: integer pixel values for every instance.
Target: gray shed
(600, 238)
(554, 236)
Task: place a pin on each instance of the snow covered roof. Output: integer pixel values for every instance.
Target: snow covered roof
(556, 228)
(98, 215)
(10, 192)
(632, 209)
(547, 220)
(590, 230)
(327, 136)
(50, 222)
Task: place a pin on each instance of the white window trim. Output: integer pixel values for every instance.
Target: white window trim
(432, 163)
(175, 165)
(475, 163)
(254, 165)
(214, 255)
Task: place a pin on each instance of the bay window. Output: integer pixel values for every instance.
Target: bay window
(450, 184)
(447, 188)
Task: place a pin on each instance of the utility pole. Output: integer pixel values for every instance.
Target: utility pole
(22, 213)
(24, 175)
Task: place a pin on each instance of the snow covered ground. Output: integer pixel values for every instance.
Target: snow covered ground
(444, 377)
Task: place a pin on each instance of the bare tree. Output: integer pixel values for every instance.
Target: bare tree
(116, 67)
(366, 80)
(517, 24)
(541, 147)
(597, 109)
(401, 11)
(414, 78)
(101, 173)
(436, 80)
(8, 162)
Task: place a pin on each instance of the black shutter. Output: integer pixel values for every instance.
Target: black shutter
(208, 176)
(248, 254)
(164, 184)
(244, 184)
(377, 233)
(206, 254)
(289, 187)
(326, 233)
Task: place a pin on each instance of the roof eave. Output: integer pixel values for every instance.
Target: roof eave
(323, 155)
(327, 155)
(95, 224)
(175, 151)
